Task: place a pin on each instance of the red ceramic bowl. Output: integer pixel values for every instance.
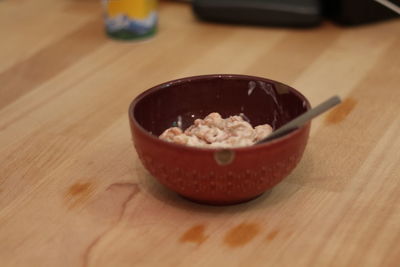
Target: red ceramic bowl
(218, 176)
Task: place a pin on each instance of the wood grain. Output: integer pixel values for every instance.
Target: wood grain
(73, 193)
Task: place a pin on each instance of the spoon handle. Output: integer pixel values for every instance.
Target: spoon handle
(302, 119)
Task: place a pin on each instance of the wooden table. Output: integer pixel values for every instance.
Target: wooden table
(73, 193)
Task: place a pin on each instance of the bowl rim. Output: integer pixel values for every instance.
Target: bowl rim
(167, 84)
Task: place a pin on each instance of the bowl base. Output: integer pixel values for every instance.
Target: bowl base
(220, 202)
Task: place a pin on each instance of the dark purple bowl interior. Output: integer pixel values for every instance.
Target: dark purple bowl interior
(195, 97)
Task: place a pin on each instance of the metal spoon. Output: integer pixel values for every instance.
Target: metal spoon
(302, 119)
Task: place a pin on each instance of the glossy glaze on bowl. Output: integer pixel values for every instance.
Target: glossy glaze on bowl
(194, 172)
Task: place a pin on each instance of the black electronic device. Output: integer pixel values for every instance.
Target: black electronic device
(289, 13)
(356, 12)
(293, 13)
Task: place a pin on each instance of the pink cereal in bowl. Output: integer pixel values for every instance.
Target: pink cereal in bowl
(214, 131)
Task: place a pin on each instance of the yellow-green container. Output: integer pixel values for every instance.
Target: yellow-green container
(130, 19)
